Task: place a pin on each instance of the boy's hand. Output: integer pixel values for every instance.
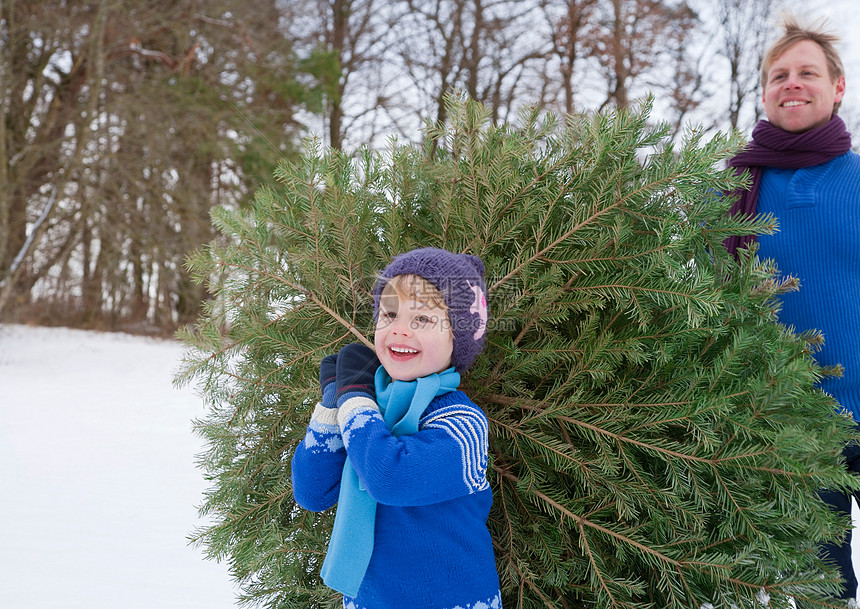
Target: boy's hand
(356, 367)
(323, 435)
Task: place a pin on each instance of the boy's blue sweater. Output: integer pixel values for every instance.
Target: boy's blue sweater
(818, 209)
(432, 549)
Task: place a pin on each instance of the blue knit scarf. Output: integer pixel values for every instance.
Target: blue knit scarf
(401, 404)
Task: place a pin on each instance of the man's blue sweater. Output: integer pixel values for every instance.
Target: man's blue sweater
(818, 209)
(432, 549)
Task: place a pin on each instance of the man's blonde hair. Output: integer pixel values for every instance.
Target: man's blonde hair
(794, 33)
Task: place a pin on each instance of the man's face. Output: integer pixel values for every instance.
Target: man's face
(799, 93)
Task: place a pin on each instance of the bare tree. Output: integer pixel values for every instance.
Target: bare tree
(679, 78)
(612, 52)
(138, 118)
(744, 30)
(48, 69)
(346, 42)
(634, 42)
(567, 22)
(487, 48)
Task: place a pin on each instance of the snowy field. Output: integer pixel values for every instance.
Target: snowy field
(98, 484)
(99, 487)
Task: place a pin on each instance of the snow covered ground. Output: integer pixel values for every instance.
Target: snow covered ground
(98, 483)
(98, 487)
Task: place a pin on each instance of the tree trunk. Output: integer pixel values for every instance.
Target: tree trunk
(619, 50)
(340, 24)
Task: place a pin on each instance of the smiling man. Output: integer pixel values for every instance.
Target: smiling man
(805, 174)
(801, 88)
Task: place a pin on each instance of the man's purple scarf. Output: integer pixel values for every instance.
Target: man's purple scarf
(774, 147)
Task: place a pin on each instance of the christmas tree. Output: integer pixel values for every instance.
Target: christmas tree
(656, 437)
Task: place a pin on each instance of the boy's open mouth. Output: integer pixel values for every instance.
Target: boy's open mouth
(402, 352)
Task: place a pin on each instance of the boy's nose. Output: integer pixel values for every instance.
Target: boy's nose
(401, 327)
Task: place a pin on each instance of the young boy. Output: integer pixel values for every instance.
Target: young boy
(401, 451)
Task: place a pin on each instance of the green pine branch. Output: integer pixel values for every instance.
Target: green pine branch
(656, 437)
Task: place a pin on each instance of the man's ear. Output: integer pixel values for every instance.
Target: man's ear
(840, 89)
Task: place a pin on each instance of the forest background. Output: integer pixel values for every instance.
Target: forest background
(124, 122)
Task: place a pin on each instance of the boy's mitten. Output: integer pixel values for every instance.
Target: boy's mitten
(356, 368)
(318, 461)
(323, 432)
(356, 393)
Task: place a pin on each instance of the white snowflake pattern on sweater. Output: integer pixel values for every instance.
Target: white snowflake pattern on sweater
(323, 432)
(492, 603)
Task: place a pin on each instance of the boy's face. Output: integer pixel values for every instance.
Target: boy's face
(799, 93)
(413, 338)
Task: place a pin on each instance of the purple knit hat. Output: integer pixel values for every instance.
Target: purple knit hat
(460, 280)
